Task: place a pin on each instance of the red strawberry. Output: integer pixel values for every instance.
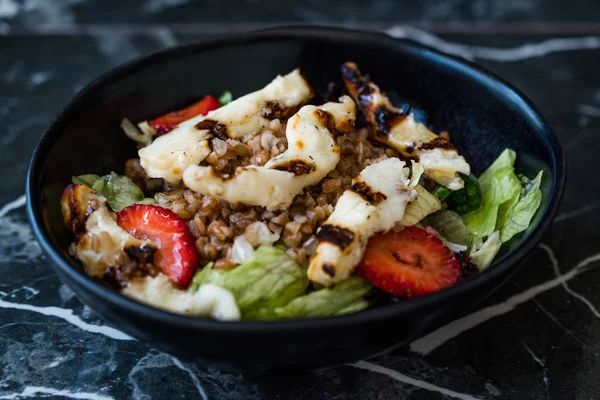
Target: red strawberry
(176, 255)
(169, 121)
(409, 263)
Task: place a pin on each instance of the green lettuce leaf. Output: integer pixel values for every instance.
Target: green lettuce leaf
(504, 209)
(450, 225)
(120, 191)
(422, 206)
(482, 253)
(519, 216)
(482, 223)
(505, 159)
(499, 185)
(270, 279)
(225, 98)
(345, 297)
(88, 179)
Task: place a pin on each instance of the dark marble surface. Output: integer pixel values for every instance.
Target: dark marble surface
(536, 337)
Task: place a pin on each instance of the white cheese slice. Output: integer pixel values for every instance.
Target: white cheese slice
(312, 153)
(375, 203)
(209, 301)
(104, 243)
(391, 125)
(170, 154)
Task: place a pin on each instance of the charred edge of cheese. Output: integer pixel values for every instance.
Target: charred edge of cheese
(209, 301)
(357, 216)
(439, 158)
(77, 203)
(312, 153)
(101, 244)
(170, 154)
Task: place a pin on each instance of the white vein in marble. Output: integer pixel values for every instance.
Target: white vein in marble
(39, 391)
(564, 283)
(68, 315)
(192, 376)
(411, 381)
(9, 8)
(519, 53)
(13, 205)
(588, 110)
(575, 213)
(430, 342)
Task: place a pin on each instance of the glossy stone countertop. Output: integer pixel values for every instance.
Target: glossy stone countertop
(536, 337)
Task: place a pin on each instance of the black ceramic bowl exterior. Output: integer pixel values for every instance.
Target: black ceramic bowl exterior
(483, 114)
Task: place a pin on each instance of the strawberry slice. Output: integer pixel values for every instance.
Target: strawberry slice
(169, 121)
(409, 263)
(176, 255)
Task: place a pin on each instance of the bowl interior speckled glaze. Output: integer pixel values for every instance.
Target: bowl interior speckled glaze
(483, 114)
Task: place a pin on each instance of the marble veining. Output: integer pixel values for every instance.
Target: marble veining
(519, 53)
(53, 346)
(430, 342)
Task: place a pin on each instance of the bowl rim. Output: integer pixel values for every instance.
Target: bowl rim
(59, 263)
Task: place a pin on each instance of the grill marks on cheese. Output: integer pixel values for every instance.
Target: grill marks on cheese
(312, 153)
(171, 154)
(103, 247)
(375, 202)
(439, 158)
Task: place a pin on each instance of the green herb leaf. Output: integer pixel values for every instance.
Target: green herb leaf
(467, 199)
(450, 225)
(120, 191)
(441, 192)
(520, 214)
(88, 179)
(345, 297)
(225, 98)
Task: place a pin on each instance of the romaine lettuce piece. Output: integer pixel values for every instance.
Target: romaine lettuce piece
(270, 279)
(422, 206)
(520, 214)
(482, 253)
(345, 297)
(505, 159)
(499, 185)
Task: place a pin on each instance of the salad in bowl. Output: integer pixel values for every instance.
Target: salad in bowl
(284, 203)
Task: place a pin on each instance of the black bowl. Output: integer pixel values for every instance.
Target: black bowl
(483, 114)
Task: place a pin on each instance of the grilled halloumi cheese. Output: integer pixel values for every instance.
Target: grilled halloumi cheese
(170, 154)
(439, 158)
(101, 243)
(103, 246)
(312, 153)
(375, 202)
(209, 300)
